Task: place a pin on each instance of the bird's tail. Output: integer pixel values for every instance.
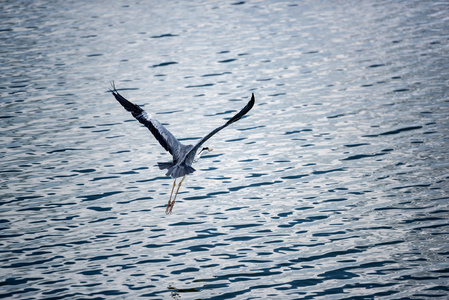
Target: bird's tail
(176, 171)
(164, 165)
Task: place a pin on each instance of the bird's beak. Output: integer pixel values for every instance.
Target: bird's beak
(210, 149)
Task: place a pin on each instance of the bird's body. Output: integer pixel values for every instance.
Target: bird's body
(183, 155)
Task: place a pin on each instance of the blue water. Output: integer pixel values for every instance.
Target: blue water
(335, 186)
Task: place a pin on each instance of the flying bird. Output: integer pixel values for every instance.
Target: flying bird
(183, 155)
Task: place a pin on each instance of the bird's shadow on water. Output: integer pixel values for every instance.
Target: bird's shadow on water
(174, 292)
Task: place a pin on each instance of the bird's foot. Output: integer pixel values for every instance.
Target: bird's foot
(169, 207)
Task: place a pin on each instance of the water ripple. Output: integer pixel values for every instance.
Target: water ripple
(334, 186)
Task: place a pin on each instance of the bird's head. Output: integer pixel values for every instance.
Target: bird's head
(206, 149)
(202, 151)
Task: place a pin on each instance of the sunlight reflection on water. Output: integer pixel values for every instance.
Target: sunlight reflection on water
(333, 186)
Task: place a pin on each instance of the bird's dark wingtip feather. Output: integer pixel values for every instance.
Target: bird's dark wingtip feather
(128, 105)
(113, 89)
(252, 101)
(244, 111)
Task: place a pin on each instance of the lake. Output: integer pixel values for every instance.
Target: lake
(334, 186)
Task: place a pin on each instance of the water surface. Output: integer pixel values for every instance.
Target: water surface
(333, 187)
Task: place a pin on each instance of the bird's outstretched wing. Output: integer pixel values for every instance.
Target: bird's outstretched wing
(164, 137)
(235, 118)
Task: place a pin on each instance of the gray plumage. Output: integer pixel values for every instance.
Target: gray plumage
(183, 155)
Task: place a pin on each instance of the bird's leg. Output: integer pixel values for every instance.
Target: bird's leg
(169, 201)
(173, 202)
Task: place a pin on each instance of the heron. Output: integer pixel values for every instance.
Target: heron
(183, 155)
